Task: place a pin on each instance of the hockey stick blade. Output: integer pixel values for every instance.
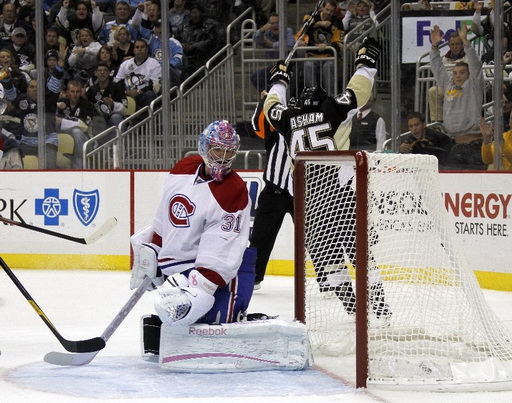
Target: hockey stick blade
(65, 359)
(79, 346)
(106, 227)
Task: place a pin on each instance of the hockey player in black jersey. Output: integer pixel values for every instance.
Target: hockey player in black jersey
(324, 123)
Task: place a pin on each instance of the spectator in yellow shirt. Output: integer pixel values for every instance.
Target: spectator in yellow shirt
(488, 144)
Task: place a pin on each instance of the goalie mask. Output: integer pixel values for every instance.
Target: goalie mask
(218, 145)
(312, 96)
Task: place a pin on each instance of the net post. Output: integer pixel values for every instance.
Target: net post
(299, 249)
(361, 165)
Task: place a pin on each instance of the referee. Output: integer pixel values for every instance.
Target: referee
(275, 200)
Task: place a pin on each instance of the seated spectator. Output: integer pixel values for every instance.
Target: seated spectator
(123, 16)
(141, 75)
(71, 23)
(148, 13)
(24, 51)
(22, 120)
(108, 98)
(364, 14)
(27, 12)
(51, 39)
(175, 53)
(10, 154)
(424, 140)
(122, 47)
(84, 56)
(74, 116)
(454, 55)
(178, 15)
(326, 30)
(106, 56)
(368, 129)
(267, 37)
(216, 13)
(198, 40)
(55, 65)
(8, 22)
(488, 144)
(16, 78)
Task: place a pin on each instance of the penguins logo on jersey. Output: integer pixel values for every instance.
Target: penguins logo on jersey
(180, 210)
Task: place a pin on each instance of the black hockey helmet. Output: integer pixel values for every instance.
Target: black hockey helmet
(312, 96)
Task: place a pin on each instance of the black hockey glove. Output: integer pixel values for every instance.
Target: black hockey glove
(368, 53)
(280, 72)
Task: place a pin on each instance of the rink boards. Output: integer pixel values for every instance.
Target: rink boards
(78, 202)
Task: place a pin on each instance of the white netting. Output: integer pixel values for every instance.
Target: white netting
(428, 320)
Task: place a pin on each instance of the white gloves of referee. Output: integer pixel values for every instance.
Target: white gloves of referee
(185, 305)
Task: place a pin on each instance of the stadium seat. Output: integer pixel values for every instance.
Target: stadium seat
(65, 150)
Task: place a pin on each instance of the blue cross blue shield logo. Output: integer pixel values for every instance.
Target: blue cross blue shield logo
(86, 205)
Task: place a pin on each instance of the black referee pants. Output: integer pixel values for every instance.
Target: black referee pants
(273, 204)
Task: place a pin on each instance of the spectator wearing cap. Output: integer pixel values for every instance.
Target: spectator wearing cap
(24, 51)
(8, 22)
(123, 14)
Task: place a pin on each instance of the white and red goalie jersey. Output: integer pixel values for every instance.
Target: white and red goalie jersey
(202, 223)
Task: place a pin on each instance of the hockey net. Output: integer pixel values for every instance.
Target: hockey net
(422, 320)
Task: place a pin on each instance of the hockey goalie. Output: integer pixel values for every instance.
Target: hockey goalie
(196, 255)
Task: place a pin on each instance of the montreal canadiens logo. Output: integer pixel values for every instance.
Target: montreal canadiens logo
(180, 210)
(225, 132)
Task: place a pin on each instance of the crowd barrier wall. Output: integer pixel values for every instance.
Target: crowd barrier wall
(77, 203)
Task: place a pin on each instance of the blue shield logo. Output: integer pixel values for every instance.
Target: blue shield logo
(86, 205)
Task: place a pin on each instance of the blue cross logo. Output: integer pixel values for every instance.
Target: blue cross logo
(51, 207)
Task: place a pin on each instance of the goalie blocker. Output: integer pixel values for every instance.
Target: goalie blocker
(259, 345)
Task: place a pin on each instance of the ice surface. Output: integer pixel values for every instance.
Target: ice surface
(82, 303)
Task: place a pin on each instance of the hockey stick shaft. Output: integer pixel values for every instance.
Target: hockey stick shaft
(106, 227)
(80, 346)
(58, 358)
(304, 29)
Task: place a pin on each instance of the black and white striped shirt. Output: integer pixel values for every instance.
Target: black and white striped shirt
(277, 172)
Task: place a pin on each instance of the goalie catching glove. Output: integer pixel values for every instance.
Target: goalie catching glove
(185, 305)
(368, 53)
(280, 72)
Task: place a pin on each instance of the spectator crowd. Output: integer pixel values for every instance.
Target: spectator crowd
(102, 56)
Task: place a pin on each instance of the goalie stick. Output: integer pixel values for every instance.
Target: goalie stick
(305, 27)
(58, 358)
(105, 228)
(79, 346)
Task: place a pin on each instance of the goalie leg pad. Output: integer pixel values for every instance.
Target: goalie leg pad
(235, 347)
